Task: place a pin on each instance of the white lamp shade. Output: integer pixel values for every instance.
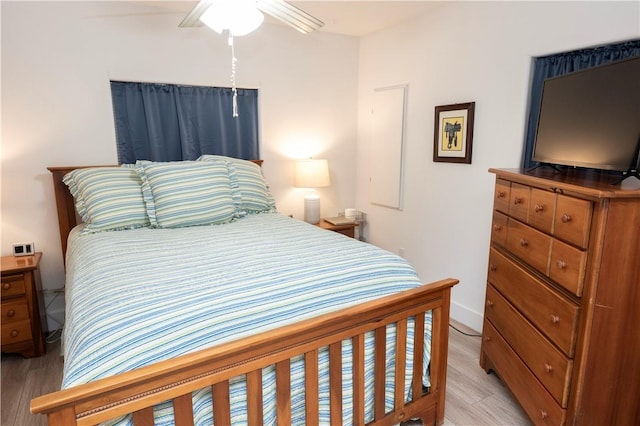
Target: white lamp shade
(312, 174)
(240, 17)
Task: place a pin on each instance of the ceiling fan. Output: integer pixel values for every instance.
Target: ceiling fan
(279, 9)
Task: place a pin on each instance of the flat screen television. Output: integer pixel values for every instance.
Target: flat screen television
(591, 118)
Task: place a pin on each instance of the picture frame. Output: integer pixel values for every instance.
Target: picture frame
(453, 133)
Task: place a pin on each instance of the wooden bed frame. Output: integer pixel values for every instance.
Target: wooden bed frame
(137, 391)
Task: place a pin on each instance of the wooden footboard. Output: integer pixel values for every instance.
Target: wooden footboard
(174, 380)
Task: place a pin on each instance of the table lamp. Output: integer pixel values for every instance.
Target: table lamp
(312, 174)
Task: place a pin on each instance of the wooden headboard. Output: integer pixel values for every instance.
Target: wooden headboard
(67, 217)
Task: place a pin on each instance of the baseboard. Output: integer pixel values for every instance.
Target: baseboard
(467, 316)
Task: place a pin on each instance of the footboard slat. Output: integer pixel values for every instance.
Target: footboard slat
(418, 342)
(283, 392)
(143, 417)
(401, 361)
(358, 379)
(174, 380)
(311, 389)
(221, 407)
(254, 404)
(380, 369)
(335, 382)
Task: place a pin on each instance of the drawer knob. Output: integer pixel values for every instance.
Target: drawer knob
(523, 242)
(11, 313)
(497, 227)
(517, 200)
(490, 303)
(487, 338)
(562, 264)
(14, 333)
(548, 368)
(539, 208)
(555, 319)
(501, 194)
(493, 268)
(565, 218)
(543, 414)
(6, 286)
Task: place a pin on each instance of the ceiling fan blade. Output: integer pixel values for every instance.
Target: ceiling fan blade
(289, 14)
(193, 18)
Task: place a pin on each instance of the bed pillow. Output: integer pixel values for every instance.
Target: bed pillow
(188, 193)
(108, 198)
(254, 190)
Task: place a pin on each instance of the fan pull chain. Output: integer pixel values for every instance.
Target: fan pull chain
(233, 77)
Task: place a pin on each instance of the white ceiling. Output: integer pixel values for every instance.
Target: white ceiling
(354, 18)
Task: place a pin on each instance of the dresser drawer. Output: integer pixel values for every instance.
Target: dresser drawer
(499, 229)
(550, 366)
(535, 400)
(567, 266)
(520, 197)
(529, 245)
(542, 208)
(573, 220)
(12, 285)
(502, 195)
(552, 314)
(15, 332)
(14, 310)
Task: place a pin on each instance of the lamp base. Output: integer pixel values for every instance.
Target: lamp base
(312, 209)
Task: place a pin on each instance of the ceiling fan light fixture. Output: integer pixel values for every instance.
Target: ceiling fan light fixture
(240, 17)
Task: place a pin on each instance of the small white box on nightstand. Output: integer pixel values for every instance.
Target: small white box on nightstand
(23, 249)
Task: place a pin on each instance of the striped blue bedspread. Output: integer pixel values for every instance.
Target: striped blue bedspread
(140, 296)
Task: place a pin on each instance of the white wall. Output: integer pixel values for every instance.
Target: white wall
(463, 52)
(58, 58)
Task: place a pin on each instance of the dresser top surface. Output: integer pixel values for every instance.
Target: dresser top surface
(594, 185)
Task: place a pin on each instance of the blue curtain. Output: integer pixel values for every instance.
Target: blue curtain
(563, 63)
(167, 122)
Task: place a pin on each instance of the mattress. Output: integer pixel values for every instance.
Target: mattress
(140, 296)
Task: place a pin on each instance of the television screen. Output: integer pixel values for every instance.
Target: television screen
(591, 118)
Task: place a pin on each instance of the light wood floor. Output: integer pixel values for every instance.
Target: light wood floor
(474, 398)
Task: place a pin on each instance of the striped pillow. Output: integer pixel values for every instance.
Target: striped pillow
(188, 193)
(107, 198)
(254, 191)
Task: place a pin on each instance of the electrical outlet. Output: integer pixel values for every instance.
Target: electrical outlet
(23, 249)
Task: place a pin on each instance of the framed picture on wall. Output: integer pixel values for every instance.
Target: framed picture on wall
(453, 137)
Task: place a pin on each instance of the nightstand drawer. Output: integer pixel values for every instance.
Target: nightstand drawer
(536, 401)
(14, 310)
(549, 365)
(12, 285)
(552, 314)
(15, 332)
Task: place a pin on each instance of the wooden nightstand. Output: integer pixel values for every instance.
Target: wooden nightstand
(22, 305)
(348, 229)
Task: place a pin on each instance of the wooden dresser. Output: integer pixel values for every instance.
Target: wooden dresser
(562, 312)
(22, 306)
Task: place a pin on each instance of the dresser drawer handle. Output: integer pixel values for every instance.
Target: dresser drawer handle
(501, 194)
(523, 242)
(539, 208)
(517, 200)
(562, 264)
(497, 228)
(490, 303)
(493, 268)
(6, 286)
(555, 319)
(487, 338)
(14, 333)
(11, 313)
(565, 218)
(543, 414)
(548, 368)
